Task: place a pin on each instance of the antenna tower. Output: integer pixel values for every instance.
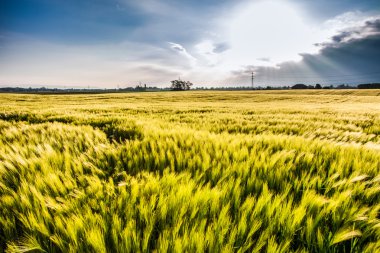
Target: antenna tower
(252, 77)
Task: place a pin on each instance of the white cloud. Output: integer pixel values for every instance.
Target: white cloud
(180, 50)
(348, 20)
(206, 52)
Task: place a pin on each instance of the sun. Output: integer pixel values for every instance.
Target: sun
(266, 33)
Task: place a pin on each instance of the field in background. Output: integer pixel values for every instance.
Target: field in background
(249, 171)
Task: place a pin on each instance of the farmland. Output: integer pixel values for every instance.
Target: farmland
(196, 171)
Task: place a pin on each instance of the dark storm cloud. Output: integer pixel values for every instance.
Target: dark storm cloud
(374, 24)
(350, 57)
(340, 37)
(370, 28)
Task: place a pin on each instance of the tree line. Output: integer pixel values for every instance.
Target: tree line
(178, 85)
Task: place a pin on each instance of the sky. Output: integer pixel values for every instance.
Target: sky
(121, 43)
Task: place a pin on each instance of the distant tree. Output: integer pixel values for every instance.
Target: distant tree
(369, 86)
(300, 86)
(318, 86)
(342, 86)
(181, 85)
(140, 88)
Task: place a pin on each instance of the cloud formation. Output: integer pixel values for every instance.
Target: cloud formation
(191, 60)
(210, 42)
(350, 57)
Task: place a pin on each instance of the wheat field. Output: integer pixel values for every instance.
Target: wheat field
(196, 171)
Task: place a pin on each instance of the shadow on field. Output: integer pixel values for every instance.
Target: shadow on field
(115, 129)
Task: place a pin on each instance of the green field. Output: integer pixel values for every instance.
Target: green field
(197, 171)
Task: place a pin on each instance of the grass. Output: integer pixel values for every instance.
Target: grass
(260, 171)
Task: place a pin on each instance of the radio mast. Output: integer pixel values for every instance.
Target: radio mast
(252, 77)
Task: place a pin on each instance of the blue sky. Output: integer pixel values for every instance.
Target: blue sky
(109, 43)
